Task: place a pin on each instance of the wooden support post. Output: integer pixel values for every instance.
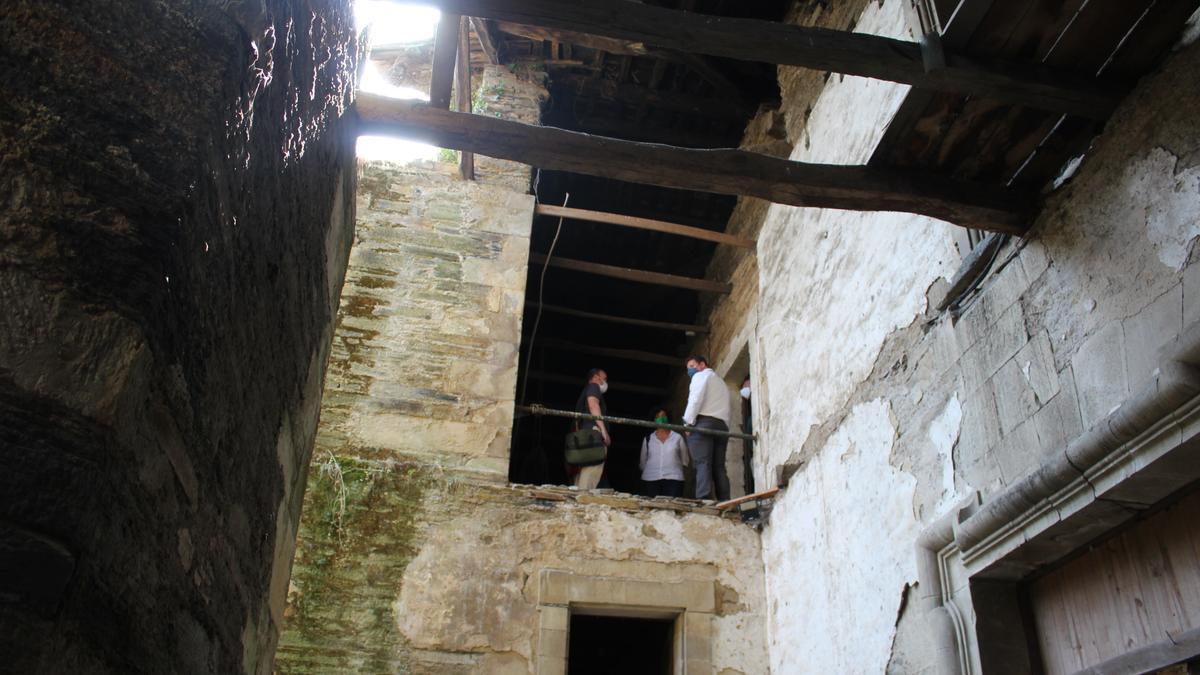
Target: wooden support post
(643, 224)
(626, 354)
(462, 82)
(629, 274)
(445, 53)
(665, 325)
(735, 172)
(817, 48)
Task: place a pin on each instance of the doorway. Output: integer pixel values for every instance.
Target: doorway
(599, 645)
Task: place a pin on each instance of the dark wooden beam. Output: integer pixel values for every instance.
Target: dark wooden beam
(445, 53)
(817, 48)
(616, 385)
(734, 172)
(626, 354)
(628, 274)
(462, 90)
(665, 325)
(643, 224)
(486, 35)
(704, 106)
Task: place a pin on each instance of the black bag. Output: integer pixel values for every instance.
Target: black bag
(585, 447)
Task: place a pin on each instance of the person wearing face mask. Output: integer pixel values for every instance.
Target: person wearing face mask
(747, 445)
(591, 402)
(707, 408)
(664, 455)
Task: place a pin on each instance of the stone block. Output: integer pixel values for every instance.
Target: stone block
(1034, 258)
(1036, 362)
(980, 430)
(1004, 288)
(697, 636)
(1018, 453)
(1099, 369)
(1148, 330)
(554, 618)
(1191, 294)
(1015, 400)
(548, 665)
(1058, 421)
(993, 345)
(552, 643)
(554, 587)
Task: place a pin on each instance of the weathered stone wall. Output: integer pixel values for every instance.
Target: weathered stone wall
(406, 567)
(883, 413)
(177, 211)
(425, 354)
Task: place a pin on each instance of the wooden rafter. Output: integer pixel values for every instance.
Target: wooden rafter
(735, 172)
(817, 48)
(646, 323)
(487, 40)
(445, 53)
(626, 354)
(617, 385)
(629, 274)
(643, 224)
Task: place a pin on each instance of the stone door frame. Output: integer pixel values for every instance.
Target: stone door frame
(562, 593)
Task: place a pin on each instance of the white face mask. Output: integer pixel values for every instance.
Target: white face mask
(745, 392)
(604, 387)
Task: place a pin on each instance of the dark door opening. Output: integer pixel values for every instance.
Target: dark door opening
(601, 645)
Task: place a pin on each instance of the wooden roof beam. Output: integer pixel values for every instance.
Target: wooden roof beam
(733, 172)
(462, 90)
(616, 385)
(643, 224)
(625, 354)
(817, 48)
(646, 323)
(628, 274)
(445, 53)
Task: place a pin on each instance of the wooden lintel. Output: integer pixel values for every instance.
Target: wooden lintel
(626, 354)
(462, 90)
(642, 276)
(445, 53)
(780, 43)
(643, 224)
(734, 172)
(615, 385)
(696, 329)
(487, 39)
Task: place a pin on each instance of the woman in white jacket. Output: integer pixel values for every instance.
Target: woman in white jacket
(664, 454)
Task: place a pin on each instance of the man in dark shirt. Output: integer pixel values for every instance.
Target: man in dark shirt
(591, 402)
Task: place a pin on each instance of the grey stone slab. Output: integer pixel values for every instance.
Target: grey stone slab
(1058, 421)
(1015, 399)
(1099, 369)
(979, 433)
(1148, 330)
(1036, 363)
(1035, 259)
(1018, 453)
(999, 341)
(1191, 294)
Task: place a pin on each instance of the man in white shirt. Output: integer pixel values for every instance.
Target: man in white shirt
(707, 408)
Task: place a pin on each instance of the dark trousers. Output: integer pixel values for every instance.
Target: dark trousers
(708, 456)
(663, 488)
(748, 466)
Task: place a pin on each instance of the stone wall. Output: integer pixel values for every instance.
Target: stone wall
(177, 212)
(881, 414)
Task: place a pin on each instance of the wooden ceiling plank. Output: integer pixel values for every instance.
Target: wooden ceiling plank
(735, 172)
(445, 53)
(643, 224)
(616, 385)
(629, 274)
(786, 44)
(626, 354)
(646, 323)
(1149, 41)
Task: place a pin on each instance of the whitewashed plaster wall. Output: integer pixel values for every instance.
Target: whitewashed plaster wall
(887, 413)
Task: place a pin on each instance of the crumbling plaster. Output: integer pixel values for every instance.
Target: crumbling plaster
(1068, 323)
